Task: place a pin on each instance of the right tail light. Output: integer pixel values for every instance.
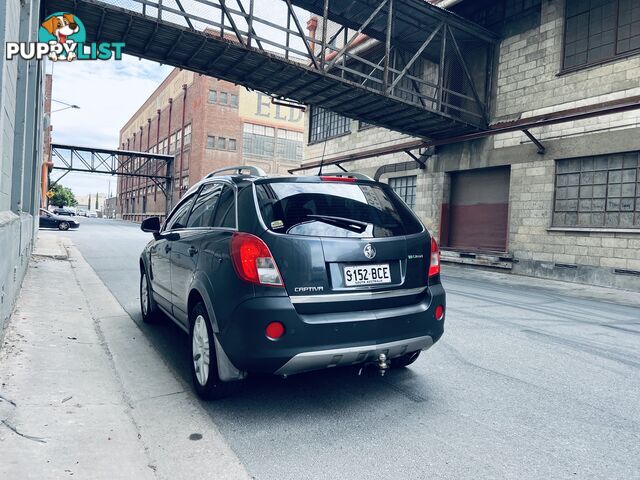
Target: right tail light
(434, 261)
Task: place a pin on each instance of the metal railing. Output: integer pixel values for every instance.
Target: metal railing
(446, 71)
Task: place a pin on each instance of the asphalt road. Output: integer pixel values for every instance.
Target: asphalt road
(527, 382)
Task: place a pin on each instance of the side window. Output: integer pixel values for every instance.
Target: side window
(226, 212)
(205, 206)
(179, 218)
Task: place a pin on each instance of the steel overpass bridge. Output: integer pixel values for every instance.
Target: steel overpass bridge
(405, 65)
(124, 163)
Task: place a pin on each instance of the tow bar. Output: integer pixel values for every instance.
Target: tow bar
(383, 366)
(382, 363)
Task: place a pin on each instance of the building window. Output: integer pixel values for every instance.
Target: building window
(289, 145)
(258, 140)
(185, 160)
(232, 144)
(213, 96)
(187, 135)
(405, 187)
(211, 142)
(222, 143)
(178, 141)
(600, 30)
(324, 124)
(364, 125)
(223, 98)
(234, 100)
(602, 191)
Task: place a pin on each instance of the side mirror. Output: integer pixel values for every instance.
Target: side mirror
(151, 224)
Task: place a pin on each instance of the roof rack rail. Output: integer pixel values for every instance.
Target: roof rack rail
(238, 169)
(359, 176)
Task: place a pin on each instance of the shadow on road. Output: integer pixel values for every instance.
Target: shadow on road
(269, 397)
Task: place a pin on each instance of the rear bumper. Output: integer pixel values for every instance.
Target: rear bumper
(339, 357)
(320, 341)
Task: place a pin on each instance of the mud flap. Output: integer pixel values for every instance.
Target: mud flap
(227, 372)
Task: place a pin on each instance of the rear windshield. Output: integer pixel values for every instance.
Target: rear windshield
(334, 209)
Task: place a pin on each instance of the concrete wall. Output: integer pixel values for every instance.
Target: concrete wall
(528, 82)
(21, 106)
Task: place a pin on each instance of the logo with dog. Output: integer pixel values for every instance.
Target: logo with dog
(62, 36)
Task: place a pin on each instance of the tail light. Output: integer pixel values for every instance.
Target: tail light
(253, 261)
(434, 263)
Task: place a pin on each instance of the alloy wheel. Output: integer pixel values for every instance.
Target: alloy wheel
(144, 294)
(200, 350)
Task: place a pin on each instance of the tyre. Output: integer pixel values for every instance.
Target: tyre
(147, 305)
(204, 368)
(405, 360)
(64, 226)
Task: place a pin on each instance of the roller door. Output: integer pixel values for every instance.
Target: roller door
(479, 210)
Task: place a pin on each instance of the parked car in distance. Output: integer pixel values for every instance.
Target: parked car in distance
(49, 220)
(64, 211)
(292, 274)
(82, 213)
(91, 214)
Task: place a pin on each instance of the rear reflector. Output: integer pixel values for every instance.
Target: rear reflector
(338, 179)
(274, 330)
(439, 312)
(253, 261)
(434, 263)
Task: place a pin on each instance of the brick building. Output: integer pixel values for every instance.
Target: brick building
(570, 213)
(206, 124)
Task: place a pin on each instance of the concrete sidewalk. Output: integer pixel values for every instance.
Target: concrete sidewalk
(83, 392)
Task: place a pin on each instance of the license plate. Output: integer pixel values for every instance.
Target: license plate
(366, 275)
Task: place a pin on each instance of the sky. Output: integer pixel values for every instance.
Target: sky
(108, 94)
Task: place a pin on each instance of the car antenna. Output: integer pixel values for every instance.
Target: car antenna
(324, 149)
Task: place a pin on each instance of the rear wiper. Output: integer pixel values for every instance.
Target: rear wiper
(356, 226)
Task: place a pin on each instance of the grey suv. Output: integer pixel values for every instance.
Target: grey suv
(292, 274)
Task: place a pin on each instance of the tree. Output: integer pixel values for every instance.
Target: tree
(89, 203)
(62, 196)
(96, 201)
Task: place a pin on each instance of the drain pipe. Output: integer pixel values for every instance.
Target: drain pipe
(184, 105)
(146, 170)
(169, 196)
(155, 187)
(139, 179)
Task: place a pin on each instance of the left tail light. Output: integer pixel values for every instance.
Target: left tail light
(253, 261)
(434, 262)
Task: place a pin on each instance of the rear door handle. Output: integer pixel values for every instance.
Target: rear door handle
(192, 250)
(167, 248)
